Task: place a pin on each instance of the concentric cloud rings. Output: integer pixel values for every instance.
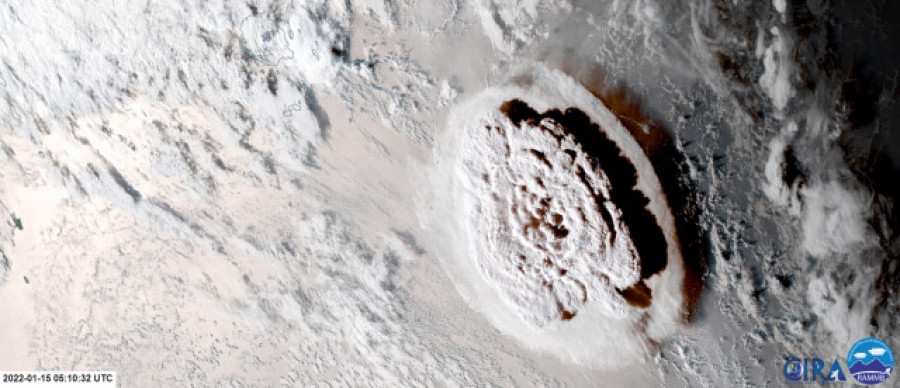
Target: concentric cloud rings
(572, 248)
(554, 238)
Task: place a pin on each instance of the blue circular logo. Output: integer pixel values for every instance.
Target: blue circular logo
(871, 361)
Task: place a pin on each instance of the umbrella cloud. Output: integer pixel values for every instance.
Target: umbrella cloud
(561, 229)
(567, 222)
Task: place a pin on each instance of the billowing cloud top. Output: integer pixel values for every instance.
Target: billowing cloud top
(571, 246)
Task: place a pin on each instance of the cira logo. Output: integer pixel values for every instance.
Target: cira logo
(812, 370)
(871, 361)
